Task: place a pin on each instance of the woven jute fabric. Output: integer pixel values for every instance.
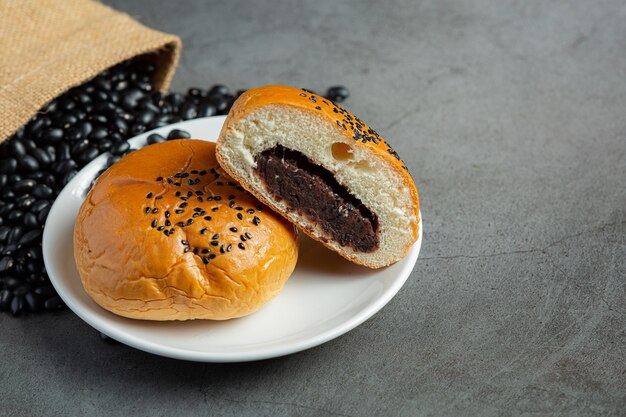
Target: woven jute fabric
(49, 46)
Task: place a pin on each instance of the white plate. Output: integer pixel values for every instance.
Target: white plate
(325, 297)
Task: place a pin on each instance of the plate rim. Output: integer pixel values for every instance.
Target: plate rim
(216, 357)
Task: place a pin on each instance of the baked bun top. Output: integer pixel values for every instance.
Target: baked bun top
(166, 234)
(308, 132)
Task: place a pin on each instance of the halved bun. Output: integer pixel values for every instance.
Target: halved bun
(166, 234)
(324, 170)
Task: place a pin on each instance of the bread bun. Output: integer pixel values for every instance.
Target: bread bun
(166, 234)
(324, 170)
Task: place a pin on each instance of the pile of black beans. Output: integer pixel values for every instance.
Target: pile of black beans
(43, 156)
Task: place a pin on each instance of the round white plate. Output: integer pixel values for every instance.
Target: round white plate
(325, 297)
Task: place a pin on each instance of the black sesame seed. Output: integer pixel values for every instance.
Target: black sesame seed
(204, 231)
(177, 194)
(230, 183)
(205, 260)
(195, 251)
(200, 199)
(180, 224)
(215, 243)
(189, 193)
(184, 242)
(167, 214)
(155, 210)
(222, 250)
(158, 197)
(190, 181)
(154, 223)
(187, 248)
(256, 221)
(195, 215)
(248, 235)
(231, 196)
(231, 204)
(166, 232)
(147, 210)
(241, 246)
(229, 248)
(239, 216)
(214, 209)
(239, 188)
(259, 208)
(233, 229)
(250, 211)
(194, 171)
(216, 236)
(190, 221)
(183, 205)
(177, 184)
(171, 231)
(169, 181)
(219, 183)
(207, 218)
(168, 223)
(203, 172)
(212, 256)
(205, 251)
(159, 179)
(184, 198)
(160, 228)
(238, 208)
(198, 192)
(217, 198)
(243, 238)
(318, 108)
(149, 195)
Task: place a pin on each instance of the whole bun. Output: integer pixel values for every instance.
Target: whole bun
(324, 170)
(166, 234)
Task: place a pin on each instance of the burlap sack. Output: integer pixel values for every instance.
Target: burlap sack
(49, 46)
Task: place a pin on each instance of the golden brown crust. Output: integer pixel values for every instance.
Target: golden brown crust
(130, 266)
(350, 126)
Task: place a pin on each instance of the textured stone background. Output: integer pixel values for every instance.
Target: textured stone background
(511, 116)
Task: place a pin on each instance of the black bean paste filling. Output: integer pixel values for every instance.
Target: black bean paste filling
(313, 191)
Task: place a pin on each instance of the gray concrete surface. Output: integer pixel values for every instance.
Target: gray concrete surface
(511, 116)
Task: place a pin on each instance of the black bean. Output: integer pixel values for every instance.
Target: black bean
(39, 205)
(73, 134)
(104, 145)
(337, 93)
(30, 221)
(88, 155)
(188, 111)
(85, 127)
(45, 291)
(53, 135)
(145, 117)
(4, 178)
(33, 302)
(24, 186)
(8, 165)
(43, 215)
(67, 177)
(25, 202)
(28, 162)
(218, 90)
(42, 191)
(30, 237)
(15, 216)
(21, 290)
(206, 110)
(4, 233)
(6, 296)
(17, 305)
(15, 234)
(99, 133)
(6, 263)
(155, 138)
(42, 156)
(63, 152)
(17, 148)
(54, 303)
(178, 134)
(79, 146)
(120, 148)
